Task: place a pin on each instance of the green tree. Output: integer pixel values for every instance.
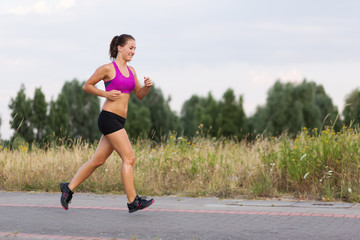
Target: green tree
(329, 112)
(138, 120)
(206, 113)
(224, 118)
(290, 107)
(351, 110)
(20, 108)
(278, 104)
(242, 120)
(39, 115)
(74, 114)
(231, 118)
(258, 123)
(163, 119)
(198, 114)
(188, 119)
(59, 118)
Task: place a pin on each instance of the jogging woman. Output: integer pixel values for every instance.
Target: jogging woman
(120, 80)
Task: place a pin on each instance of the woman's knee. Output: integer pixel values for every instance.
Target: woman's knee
(97, 162)
(129, 160)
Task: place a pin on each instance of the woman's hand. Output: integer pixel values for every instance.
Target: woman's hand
(113, 95)
(147, 82)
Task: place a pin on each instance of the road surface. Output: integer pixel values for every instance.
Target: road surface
(105, 217)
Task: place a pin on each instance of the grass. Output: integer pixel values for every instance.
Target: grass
(314, 165)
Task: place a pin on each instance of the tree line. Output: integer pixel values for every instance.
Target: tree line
(289, 107)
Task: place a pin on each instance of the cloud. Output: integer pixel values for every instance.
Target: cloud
(258, 77)
(292, 75)
(267, 76)
(187, 47)
(41, 7)
(293, 28)
(65, 4)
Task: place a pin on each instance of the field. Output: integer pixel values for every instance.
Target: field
(315, 165)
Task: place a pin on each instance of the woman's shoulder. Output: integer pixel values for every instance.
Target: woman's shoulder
(132, 69)
(105, 68)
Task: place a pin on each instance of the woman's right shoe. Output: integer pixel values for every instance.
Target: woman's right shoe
(139, 203)
(66, 195)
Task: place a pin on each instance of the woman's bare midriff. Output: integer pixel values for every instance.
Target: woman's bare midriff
(119, 106)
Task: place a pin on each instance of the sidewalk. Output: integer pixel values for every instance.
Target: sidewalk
(90, 216)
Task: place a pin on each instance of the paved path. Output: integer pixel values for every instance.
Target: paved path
(105, 217)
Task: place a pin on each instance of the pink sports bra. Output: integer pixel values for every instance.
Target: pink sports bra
(121, 83)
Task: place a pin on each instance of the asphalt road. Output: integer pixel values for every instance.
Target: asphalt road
(90, 216)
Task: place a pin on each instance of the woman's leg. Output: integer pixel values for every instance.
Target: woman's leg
(102, 152)
(120, 142)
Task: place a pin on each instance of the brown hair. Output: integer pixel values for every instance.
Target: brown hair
(116, 41)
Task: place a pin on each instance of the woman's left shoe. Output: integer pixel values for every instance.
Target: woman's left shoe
(139, 203)
(66, 195)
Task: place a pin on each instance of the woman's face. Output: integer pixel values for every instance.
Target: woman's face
(128, 51)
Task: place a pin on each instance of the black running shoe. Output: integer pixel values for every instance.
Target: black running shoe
(139, 203)
(66, 195)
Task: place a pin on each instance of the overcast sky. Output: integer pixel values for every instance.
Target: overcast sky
(187, 47)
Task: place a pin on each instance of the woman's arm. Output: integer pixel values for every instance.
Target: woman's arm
(100, 74)
(141, 92)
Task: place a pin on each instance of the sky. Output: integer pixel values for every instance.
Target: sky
(187, 47)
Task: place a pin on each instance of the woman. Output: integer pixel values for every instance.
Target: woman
(119, 81)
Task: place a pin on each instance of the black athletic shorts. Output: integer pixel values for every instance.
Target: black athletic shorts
(109, 122)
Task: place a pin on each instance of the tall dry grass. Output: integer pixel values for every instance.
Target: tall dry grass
(201, 167)
(323, 165)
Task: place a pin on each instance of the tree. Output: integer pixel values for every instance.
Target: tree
(278, 103)
(258, 123)
(39, 115)
(163, 119)
(206, 113)
(329, 112)
(74, 114)
(20, 114)
(351, 110)
(231, 118)
(199, 114)
(59, 118)
(242, 120)
(290, 107)
(138, 120)
(224, 118)
(188, 119)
